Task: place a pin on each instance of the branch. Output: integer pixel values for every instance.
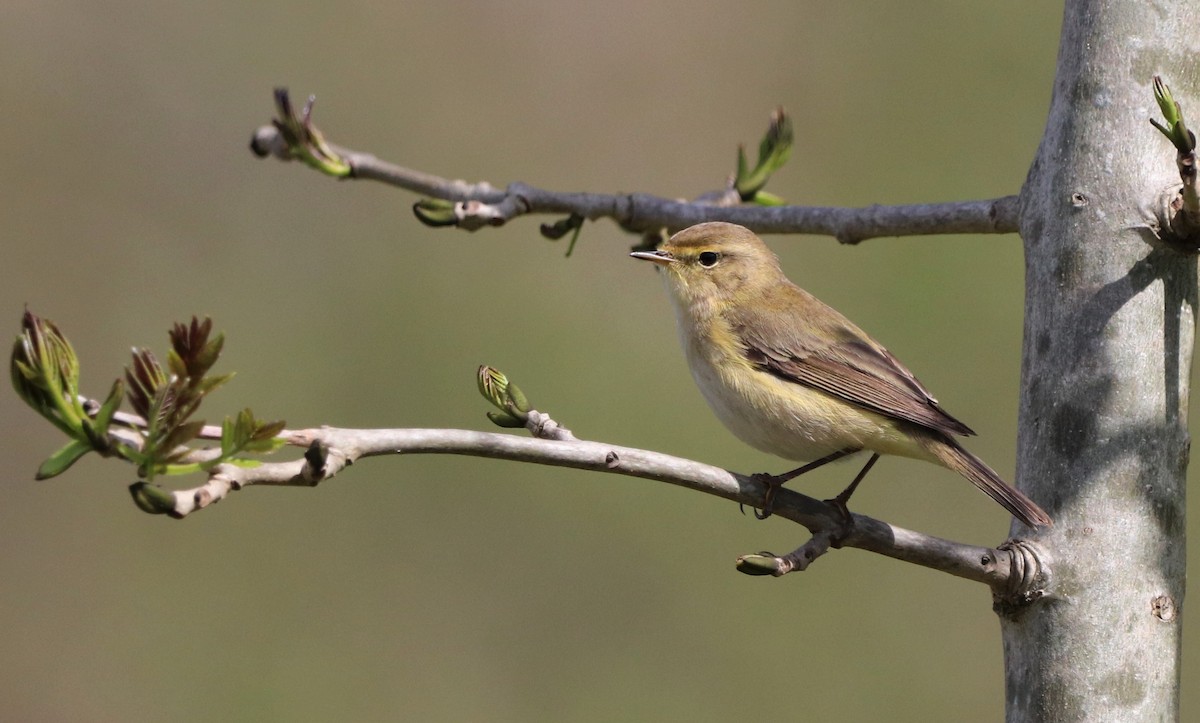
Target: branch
(474, 205)
(159, 438)
(330, 450)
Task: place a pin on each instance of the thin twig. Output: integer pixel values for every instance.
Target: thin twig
(481, 204)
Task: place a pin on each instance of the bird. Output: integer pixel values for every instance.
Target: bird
(791, 376)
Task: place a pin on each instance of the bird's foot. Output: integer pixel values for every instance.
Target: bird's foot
(839, 503)
(846, 521)
(772, 482)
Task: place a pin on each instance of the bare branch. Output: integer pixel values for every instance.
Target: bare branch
(475, 205)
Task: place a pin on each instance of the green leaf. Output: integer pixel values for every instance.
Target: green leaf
(174, 470)
(23, 375)
(208, 384)
(269, 430)
(196, 353)
(181, 435)
(304, 141)
(504, 419)
(145, 378)
(110, 406)
(1166, 102)
(176, 365)
(773, 152)
(1175, 129)
(517, 398)
(207, 357)
(574, 238)
(245, 433)
(762, 198)
(264, 446)
(243, 462)
(58, 462)
(229, 441)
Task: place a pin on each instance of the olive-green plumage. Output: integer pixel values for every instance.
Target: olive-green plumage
(791, 376)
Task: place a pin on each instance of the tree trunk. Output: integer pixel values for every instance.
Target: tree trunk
(1109, 327)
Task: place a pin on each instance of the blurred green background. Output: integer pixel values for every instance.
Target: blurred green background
(441, 588)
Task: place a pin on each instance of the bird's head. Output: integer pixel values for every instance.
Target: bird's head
(715, 263)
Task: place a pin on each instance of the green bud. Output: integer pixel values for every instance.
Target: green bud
(517, 397)
(1175, 129)
(45, 374)
(773, 151)
(760, 564)
(151, 499)
(304, 141)
(435, 212)
(1166, 102)
(493, 385)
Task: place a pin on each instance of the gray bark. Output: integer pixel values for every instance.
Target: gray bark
(1109, 327)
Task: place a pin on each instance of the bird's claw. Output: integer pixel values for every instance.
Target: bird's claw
(772, 483)
(846, 521)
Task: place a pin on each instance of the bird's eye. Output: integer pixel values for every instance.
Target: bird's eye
(709, 259)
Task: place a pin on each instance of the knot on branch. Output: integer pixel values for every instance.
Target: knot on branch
(540, 425)
(1170, 223)
(1028, 578)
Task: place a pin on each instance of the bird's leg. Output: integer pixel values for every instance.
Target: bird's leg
(774, 482)
(840, 501)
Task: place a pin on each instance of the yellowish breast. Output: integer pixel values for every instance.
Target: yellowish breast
(774, 415)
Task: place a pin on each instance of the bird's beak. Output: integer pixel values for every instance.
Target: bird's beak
(662, 258)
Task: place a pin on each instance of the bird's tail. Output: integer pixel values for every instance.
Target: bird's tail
(954, 457)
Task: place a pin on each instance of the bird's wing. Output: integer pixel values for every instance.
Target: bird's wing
(841, 360)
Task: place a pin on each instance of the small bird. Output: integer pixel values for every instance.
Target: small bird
(791, 376)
